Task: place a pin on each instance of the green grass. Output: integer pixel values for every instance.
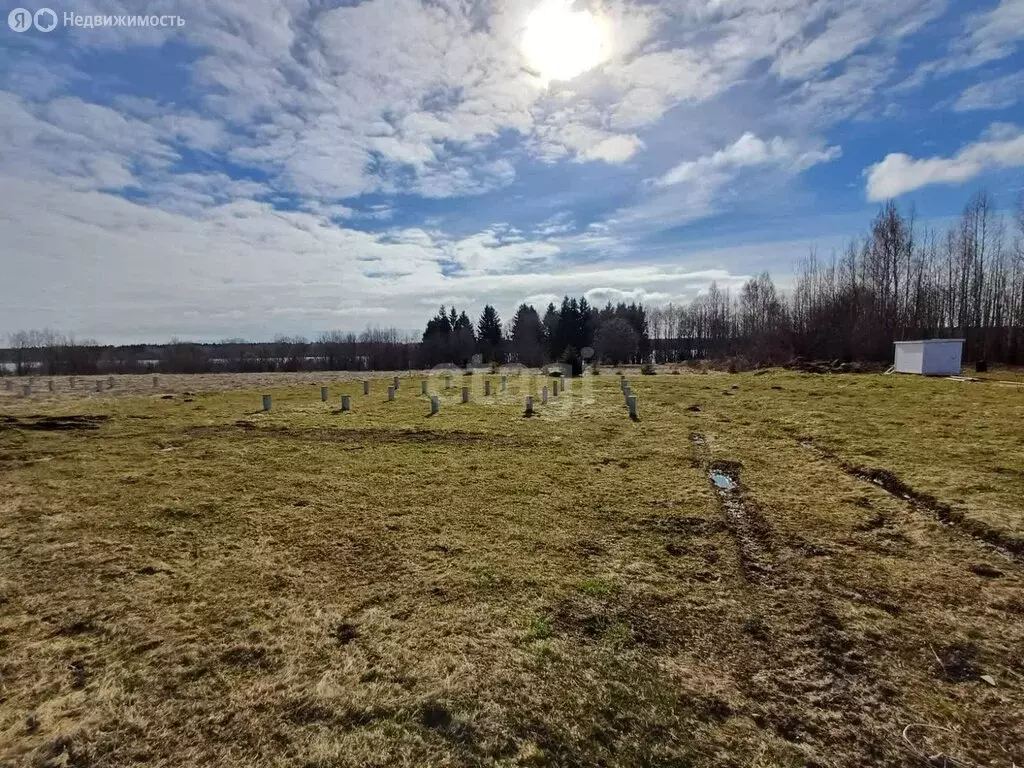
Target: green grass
(195, 582)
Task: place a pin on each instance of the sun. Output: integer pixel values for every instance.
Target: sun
(560, 43)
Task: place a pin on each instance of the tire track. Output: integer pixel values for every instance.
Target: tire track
(803, 661)
(749, 527)
(987, 536)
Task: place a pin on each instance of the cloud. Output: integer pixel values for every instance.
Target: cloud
(987, 36)
(999, 93)
(557, 224)
(834, 31)
(614, 149)
(652, 83)
(243, 269)
(695, 189)
(846, 94)
(400, 96)
(748, 151)
(991, 35)
(898, 173)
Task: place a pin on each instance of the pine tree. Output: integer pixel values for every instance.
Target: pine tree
(527, 336)
(488, 334)
(551, 323)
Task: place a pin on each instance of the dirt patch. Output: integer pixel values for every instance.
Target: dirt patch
(344, 633)
(76, 627)
(874, 597)
(77, 671)
(435, 716)
(837, 647)
(61, 751)
(53, 423)
(374, 436)
(873, 523)
(1009, 472)
(250, 657)
(588, 548)
(154, 570)
(363, 718)
(622, 619)
(306, 712)
(958, 662)
(892, 484)
(985, 570)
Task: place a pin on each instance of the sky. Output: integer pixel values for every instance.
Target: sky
(254, 168)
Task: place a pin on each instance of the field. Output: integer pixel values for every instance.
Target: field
(765, 569)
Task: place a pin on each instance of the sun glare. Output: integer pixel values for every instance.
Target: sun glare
(560, 43)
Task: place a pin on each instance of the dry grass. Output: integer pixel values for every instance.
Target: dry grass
(191, 582)
(84, 387)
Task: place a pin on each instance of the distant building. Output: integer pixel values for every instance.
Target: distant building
(930, 357)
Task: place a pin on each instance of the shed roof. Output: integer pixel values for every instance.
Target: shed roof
(931, 341)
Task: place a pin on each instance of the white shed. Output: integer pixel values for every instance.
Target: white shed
(932, 357)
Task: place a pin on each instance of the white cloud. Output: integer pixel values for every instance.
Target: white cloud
(652, 83)
(847, 94)
(696, 189)
(748, 151)
(376, 96)
(1000, 93)
(846, 28)
(558, 224)
(897, 174)
(614, 149)
(991, 35)
(244, 269)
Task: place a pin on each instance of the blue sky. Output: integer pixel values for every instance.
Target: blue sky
(294, 166)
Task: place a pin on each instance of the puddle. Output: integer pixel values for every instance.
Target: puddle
(722, 481)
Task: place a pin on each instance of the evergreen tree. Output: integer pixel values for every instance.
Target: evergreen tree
(586, 325)
(448, 338)
(551, 323)
(617, 341)
(527, 336)
(489, 335)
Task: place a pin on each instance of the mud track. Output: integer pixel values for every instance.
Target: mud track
(747, 524)
(799, 648)
(988, 536)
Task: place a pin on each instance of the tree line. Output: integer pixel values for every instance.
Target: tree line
(571, 333)
(49, 353)
(899, 281)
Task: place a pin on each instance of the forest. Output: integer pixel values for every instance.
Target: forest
(900, 280)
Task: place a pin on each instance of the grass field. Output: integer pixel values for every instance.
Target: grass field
(187, 581)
